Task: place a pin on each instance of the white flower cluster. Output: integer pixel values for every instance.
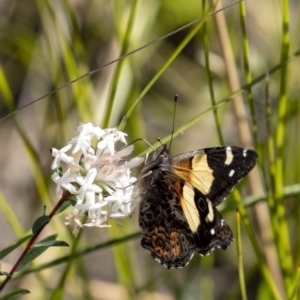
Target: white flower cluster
(101, 181)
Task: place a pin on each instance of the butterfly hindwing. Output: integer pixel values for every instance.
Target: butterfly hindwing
(209, 229)
(212, 235)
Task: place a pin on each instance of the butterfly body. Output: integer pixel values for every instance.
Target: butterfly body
(179, 195)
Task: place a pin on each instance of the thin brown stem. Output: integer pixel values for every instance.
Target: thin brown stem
(31, 242)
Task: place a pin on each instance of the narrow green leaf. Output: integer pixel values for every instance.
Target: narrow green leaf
(14, 245)
(39, 222)
(48, 238)
(15, 293)
(52, 244)
(36, 251)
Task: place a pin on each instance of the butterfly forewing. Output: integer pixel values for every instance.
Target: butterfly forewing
(215, 171)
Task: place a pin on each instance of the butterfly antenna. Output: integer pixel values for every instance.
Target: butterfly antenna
(173, 125)
(159, 140)
(140, 139)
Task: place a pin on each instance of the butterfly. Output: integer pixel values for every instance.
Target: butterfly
(179, 195)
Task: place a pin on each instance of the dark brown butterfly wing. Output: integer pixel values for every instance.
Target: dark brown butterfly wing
(167, 236)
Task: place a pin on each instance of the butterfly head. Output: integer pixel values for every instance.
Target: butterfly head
(161, 159)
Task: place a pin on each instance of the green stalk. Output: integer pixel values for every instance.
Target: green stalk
(122, 253)
(248, 74)
(260, 257)
(240, 256)
(124, 50)
(210, 78)
(281, 226)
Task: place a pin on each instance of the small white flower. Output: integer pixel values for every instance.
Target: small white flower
(89, 159)
(74, 219)
(83, 140)
(115, 134)
(122, 204)
(111, 136)
(64, 182)
(103, 184)
(87, 185)
(60, 155)
(101, 222)
(90, 129)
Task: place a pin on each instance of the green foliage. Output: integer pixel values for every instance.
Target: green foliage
(39, 223)
(14, 245)
(40, 248)
(14, 294)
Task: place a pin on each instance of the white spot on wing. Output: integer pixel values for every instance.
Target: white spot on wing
(245, 152)
(231, 173)
(212, 231)
(229, 156)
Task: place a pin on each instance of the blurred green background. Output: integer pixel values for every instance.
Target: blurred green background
(45, 45)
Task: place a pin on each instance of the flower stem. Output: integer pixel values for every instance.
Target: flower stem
(29, 246)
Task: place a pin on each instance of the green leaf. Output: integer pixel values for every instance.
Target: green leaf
(15, 293)
(3, 273)
(59, 170)
(39, 222)
(48, 238)
(64, 206)
(52, 244)
(36, 251)
(14, 245)
(73, 200)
